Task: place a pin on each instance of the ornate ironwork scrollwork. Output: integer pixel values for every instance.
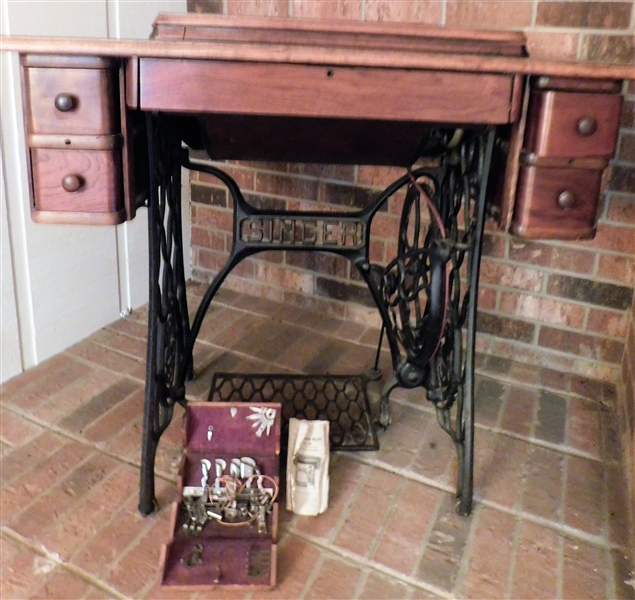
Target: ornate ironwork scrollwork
(424, 300)
(168, 321)
(430, 301)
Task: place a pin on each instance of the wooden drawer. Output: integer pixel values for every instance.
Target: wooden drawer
(194, 86)
(78, 181)
(557, 203)
(573, 125)
(71, 101)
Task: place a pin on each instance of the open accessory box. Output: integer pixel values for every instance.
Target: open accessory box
(224, 526)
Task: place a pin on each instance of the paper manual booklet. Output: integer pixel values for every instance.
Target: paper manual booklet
(308, 467)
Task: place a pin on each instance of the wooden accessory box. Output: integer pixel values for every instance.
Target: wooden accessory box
(232, 556)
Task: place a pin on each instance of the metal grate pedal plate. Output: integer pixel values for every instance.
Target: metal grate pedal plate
(340, 399)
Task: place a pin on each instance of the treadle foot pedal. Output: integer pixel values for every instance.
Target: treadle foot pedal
(340, 399)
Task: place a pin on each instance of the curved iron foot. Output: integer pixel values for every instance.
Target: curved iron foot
(384, 413)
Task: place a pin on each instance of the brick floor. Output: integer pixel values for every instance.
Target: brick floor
(550, 518)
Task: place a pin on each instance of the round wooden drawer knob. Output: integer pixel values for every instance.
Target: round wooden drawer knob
(567, 200)
(587, 126)
(65, 102)
(72, 183)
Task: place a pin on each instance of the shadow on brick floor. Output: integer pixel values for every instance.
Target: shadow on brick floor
(550, 518)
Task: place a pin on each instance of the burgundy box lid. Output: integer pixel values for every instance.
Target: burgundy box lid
(241, 428)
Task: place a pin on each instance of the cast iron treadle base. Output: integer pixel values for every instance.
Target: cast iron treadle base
(340, 399)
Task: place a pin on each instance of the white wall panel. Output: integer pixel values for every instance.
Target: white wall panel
(11, 360)
(71, 272)
(68, 280)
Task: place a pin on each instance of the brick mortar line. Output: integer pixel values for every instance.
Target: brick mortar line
(534, 15)
(607, 221)
(568, 245)
(549, 270)
(361, 584)
(560, 569)
(272, 362)
(69, 388)
(466, 555)
(54, 557)
(348, 508)
(567, 426)
(333, 335)
(597, 336)
(90, 363)
(313, 575)
(427, 534)
(509, 584)
(568, 450)
(102, 345)
(304, 177)
(124, 333)
(609, 575)
(389, 511)
(585, 321)
(562, 513)
(542, 294)
(580, 30)
(499, 289)
(77, 438)
(464, 562)
(148, 523)
(566, 530)
(368, 564)
(42, 493)
(545, 352)
(525, 384)
(596, 262)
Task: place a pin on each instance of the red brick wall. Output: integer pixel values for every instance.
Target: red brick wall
(565, 305)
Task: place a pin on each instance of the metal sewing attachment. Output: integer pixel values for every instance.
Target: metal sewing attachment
(206, 465)
(216, 579)
(194, 559)
(243, 497)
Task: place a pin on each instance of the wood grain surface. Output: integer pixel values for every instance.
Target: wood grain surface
(553, 124)
(93, 91)
(385, 36)
(99, 171)
(313, 55)
(537, 213)
(334, 92)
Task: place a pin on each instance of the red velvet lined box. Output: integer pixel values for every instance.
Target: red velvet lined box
(232, 556)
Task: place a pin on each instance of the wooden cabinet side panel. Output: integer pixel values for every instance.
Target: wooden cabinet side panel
(134, 152)
(515, 146)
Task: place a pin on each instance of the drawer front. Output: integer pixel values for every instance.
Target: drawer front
(313, 91)
(573, 125)
(557, 203)
(71, 101)
(86, 181)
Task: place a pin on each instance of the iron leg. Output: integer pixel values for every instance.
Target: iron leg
(384, 414)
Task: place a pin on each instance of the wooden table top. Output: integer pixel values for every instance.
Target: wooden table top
(317, 42)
